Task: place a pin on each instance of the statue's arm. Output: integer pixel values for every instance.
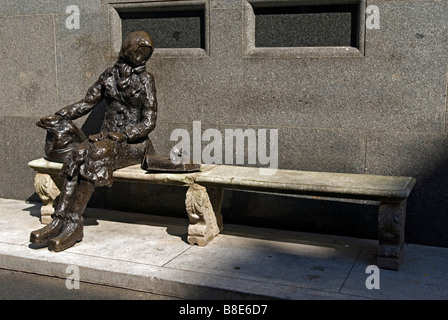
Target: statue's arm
(149, 112)
(81, 108)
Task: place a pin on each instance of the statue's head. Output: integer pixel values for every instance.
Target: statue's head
(136, 49)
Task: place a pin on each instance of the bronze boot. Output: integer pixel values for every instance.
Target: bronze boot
(42, 236)
(74, 226)
(71, 234)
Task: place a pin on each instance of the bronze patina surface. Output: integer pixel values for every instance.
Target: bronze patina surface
(129, 92)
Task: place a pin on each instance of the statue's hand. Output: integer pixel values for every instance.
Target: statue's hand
(51, 119)
(117, 136)
(96, 137)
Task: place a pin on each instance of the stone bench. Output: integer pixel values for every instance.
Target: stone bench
(205, 193)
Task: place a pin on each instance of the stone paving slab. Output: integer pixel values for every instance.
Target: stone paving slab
(150, 253)
(293, 264)
(423, 275)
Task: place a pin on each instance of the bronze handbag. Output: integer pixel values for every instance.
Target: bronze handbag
(62, 136)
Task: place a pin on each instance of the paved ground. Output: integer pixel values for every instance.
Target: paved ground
(17, 285)
(136, 256)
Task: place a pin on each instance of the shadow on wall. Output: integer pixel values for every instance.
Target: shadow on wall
(424, 157)
(301, 214)
(427, 217)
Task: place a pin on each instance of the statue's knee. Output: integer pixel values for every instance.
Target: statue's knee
(101, 150)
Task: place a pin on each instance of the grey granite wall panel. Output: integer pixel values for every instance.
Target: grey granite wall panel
(322, 150)
(28, 77)
(81, 55)
(45, 7)
(21, 142)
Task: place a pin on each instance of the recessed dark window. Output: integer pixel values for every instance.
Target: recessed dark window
(168, 28)
(307, 26)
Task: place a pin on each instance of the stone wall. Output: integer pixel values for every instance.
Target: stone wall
(379, 108)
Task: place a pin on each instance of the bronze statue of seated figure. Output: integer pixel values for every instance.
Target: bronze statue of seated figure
(129, 93)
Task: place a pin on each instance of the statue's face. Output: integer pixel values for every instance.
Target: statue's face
(139, 56)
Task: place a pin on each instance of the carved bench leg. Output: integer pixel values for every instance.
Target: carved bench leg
(47, 190)
(203, 206)
(391, 221)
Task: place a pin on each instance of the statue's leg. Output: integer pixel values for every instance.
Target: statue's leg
(41, 237)
(67, 195)
(72, 230)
